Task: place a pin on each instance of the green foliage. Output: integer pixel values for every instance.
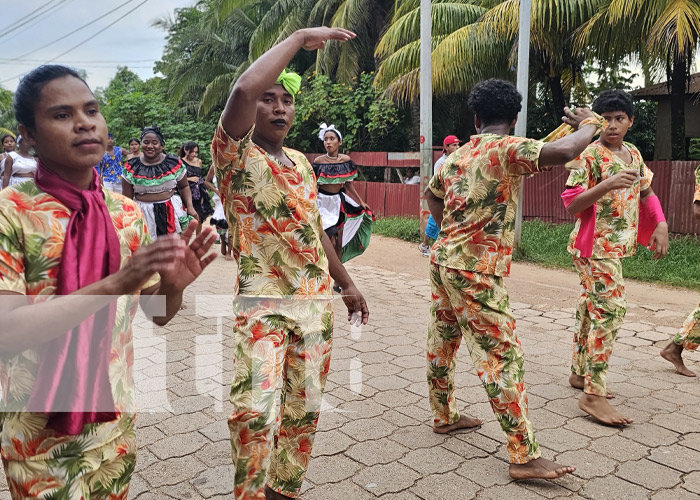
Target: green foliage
(130, 104)
(367, 121)
(7, 116)
(403, 228)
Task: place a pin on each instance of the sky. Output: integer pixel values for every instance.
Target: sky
(130, 41)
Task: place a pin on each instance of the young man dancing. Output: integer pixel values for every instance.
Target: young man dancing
(284, 318)
(473, 198)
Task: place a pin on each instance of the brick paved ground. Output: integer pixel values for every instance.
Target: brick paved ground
(375, 438)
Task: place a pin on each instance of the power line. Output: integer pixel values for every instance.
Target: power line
(28, 18)
(38, 19)
(72, 32)
(102, 30)
(99, 32)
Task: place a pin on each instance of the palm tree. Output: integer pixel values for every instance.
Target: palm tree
(662, 30)
(477, 39)
(343, 61)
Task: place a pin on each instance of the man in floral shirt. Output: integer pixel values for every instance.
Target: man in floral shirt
(605, 187)
(284, 318)
(688, 338)
(473, 198)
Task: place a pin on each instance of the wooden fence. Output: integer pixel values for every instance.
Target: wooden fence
(673, 183)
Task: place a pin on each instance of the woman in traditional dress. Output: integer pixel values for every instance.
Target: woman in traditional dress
(134, 148)
(195, 176)
(346, 218)
(20, 166)
(8, 146)
(151, 180)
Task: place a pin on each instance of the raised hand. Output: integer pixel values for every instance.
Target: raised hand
(316, 38)
(574, 117)
(194, 258)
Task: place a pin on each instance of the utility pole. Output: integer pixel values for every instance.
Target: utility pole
(523, 85)
(426, 106)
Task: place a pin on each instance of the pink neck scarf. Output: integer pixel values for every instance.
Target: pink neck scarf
(72, 384)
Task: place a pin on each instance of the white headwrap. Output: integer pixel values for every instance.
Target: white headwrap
(326, 128)
(19, 139)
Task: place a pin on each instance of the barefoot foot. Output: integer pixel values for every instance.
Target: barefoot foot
(540, 468)
(599, 408)
(577, 381)
(464, 422)
(674, 353)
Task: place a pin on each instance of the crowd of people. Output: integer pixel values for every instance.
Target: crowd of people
(129, 225)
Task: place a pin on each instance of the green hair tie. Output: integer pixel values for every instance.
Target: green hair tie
(290, 81)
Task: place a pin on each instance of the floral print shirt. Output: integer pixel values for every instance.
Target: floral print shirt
(32, 232)
(480, 184)
(617, 212)
(273, 219)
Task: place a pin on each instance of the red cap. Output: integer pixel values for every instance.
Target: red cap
(450, 139)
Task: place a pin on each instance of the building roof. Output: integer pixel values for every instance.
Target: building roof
(661, 90)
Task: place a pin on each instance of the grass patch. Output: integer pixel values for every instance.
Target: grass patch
(545, 244)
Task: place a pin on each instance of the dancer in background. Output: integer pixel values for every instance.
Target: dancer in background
(688, 338)
(151, 179)
(609, 192)
(134, 148)
(20, 165)
(110, 168)
(473, 198)
(346, 218)
(9, 143)
(195, 176)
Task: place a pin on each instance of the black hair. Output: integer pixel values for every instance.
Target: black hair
(29, 89)
(187, 147)
(495, 101)
(334, 133)
(133, 139)
(5, 136)
(614, 100)
(154, 129)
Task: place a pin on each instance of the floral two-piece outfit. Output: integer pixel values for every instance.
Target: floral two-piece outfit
(480, 185)
(283, 316)
(41, 463)
(689, 335)
(602, 306)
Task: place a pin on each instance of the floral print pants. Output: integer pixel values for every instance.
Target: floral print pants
(600, 312)
(689, 335)
(101, 473)
(283, 353)
(475, 307)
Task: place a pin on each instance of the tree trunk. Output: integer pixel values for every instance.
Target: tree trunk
(558, 99)
(678, 86)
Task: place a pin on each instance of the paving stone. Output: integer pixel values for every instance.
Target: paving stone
(649, 474)
(588, 464)
(172, 471)
(331, 469)
(344, 490)
(428, 461)
(182, 424)
(619, 448)
(448, 486)
(691, 482)
(366, 452)
(215, 481)
(650, 435)
(215, 454)
(331, 443)
(676, 422)
(368, 429)
(563, 440)
(691, 441)
(611, 487)
(177, 446)
(486, 472)
(674, 494)
(676, 457)
(389, 478)
(590, 428)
